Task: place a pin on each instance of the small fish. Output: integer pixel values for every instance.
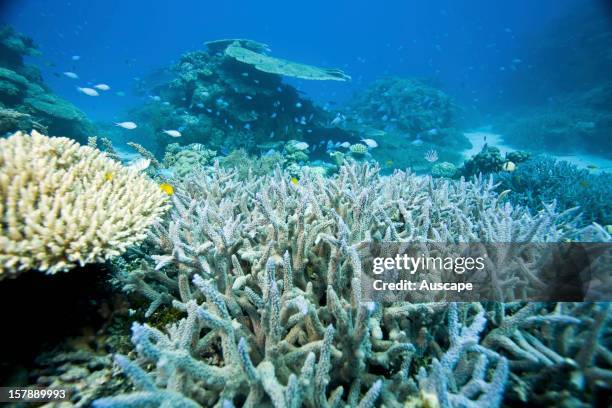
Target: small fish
(108, 176)
(172, 133)
(417, 142)
(509, 166)
(166, 188)
(245, 74)
(432, 132)
(166, 103)
(140, 164)
(120, 93)
(249, 97)
(298, 105)
(371, 143)
(389, 163)
(301, 145)
(273, 115)
(88, 91)
(345, 145)
(71, 75)
(591, 167)
(76, 57)
(166, 173)
(294, 181)
(155, 98)
(583, 183)
(127, 125)
(337, 120)
(102, 87)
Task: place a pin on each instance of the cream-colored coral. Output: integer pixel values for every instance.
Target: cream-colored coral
(63, 204)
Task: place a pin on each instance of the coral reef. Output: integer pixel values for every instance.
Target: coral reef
(219, 101)
(267, 277)
(23, 91)
(543, 179)
(408, 105)
(408, 118)
(63, 205)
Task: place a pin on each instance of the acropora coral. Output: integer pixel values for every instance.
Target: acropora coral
(64, 205)
(267, 276)
(543, 179)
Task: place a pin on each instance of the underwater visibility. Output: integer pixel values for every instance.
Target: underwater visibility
(393, 204)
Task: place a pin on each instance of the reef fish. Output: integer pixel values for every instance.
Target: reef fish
(509, 166)
(301, 145)
(102, 87)
(140, 164)
(71, 75)
(167, 188)
(172, 133)
(371, 143)
(88, 91)
(127, 125)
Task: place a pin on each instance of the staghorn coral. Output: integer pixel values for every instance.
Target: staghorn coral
(63, 205)
(268, 277)
(544, 179)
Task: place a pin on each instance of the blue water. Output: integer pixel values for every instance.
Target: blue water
(463, 47)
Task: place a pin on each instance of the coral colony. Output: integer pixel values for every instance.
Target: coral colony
(234, 232)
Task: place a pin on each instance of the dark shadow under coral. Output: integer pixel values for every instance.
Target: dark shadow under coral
(40, 311)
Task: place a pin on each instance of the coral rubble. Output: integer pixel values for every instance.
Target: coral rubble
(63, 205)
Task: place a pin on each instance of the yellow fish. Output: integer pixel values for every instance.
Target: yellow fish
(108, 176)
(584, 183)
(167, 188)
(389, 163)
(294, 181)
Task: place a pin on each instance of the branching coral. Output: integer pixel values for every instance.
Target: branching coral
(543, 179)
(63, 205)
(268, 276)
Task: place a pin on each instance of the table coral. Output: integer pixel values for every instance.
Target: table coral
(64, 205)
